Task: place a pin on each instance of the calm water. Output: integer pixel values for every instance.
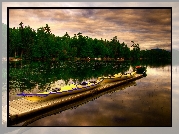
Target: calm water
(145, 102)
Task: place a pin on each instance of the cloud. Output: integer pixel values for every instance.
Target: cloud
(140, 25)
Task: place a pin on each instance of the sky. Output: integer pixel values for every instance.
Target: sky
(150, 28)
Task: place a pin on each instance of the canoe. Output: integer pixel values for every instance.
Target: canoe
(118, 77)
(140, 69)
(62, 91)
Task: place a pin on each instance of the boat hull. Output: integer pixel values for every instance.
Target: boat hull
(63, 92)
(120, 78)
(140, 69)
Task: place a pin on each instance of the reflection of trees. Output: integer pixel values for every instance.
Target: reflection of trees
(156, 63)
(150, 63)
(30, 74)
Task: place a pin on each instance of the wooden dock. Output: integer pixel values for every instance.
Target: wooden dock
(23, 109)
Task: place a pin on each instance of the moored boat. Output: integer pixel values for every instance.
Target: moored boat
(62, 91)
(118, 77)
(140, 69)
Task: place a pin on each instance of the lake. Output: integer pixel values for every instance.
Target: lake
(144, 102)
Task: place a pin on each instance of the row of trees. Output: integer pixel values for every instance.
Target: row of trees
(31, 44)
(28, 43)
(155, 54)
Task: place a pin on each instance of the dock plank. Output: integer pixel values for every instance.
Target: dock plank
(23, 106)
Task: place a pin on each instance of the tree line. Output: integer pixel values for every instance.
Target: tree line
(41, 44)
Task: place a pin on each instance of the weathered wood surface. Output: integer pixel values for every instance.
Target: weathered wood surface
(23, 108)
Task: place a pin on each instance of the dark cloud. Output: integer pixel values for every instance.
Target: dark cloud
(147, 27)
(88, 13)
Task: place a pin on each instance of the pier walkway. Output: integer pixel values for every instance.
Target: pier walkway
(23, 109)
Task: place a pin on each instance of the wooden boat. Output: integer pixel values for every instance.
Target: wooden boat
(118, 77)
(62, 91)
(140, 69)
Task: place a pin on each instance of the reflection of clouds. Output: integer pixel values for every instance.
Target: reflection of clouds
(122, 108)
(160, 71)
(88, 110)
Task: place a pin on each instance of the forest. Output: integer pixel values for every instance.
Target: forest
(29, 44)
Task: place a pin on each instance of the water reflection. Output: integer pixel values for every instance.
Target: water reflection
(29, 75)
(146, 104)
(26, 75)
(76, 104)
